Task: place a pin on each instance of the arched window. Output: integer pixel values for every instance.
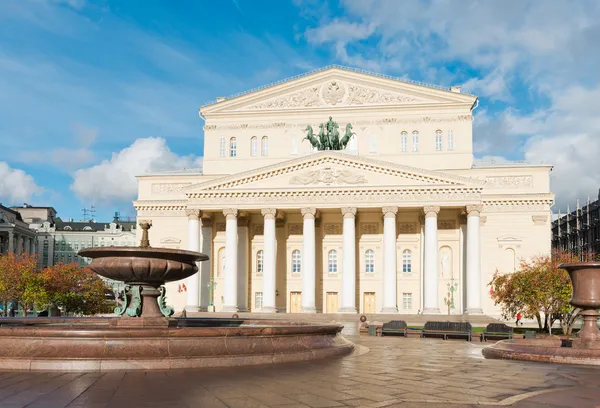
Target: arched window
(438, 140)
(260, 261)
(254, 146)
(294, 145)
(232, 147)
(404, 141)
(222, 147)
(415, 141)
(373, 144)
(407, 261)
(264, 146)
(296, 261)
(332, 266)
(369, 261)
(450, 140)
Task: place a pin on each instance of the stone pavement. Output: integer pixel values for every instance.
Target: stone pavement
(383, 372)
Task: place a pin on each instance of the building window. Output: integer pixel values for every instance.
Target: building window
(407, 261)
(294, 145)
(332, 265)
(232, 147)
(415, 141)
(369, 261)
(438, 140)
(254, 146)
(258, 300)
(260, 262)
(264, 146)
(296, 261)
(353, 144)
(404, 142)
(222, 147)
(450, 140)
(407, 301)
(373, 144)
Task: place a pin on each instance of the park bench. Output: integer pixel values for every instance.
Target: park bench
(398, 327)
(497, 331)
(445, 329)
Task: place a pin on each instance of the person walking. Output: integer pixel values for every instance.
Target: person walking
(518, 319)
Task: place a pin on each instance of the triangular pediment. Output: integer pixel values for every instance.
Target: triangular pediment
(331, 169)
(337, 88)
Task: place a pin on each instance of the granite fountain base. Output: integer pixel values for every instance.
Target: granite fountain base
(105, 344)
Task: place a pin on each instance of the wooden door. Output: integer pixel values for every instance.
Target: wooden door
(295, 302)
(369, 302)
(332, 302)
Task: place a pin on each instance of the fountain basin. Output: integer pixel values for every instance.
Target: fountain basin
(548, 350)
(100, 344)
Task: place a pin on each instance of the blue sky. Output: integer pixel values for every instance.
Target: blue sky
(82, 81)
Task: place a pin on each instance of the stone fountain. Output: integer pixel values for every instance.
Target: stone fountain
(144, 336)
(585, 347)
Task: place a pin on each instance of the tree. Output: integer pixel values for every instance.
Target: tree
(20, 281)
(74, 289)
(539, 287)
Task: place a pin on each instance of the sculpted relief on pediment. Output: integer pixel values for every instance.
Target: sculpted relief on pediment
(334, 93)
(328, 176)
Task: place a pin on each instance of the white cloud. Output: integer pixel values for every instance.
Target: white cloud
(114, 179)
(16, 186)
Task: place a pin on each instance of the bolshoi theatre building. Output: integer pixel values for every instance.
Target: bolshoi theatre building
(341, 191)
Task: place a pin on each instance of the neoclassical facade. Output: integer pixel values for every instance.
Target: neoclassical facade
(399, 221)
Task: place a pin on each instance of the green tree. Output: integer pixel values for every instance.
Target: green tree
(20, 281)
(539, 289)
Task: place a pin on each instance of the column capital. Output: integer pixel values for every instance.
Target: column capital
(389, 212)
(230, 213)
(193, 214)
(309, 213)
(431, 210)
(349, 212)
(474, 209)
(269, 213)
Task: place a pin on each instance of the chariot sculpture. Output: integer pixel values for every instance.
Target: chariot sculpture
(329, 136)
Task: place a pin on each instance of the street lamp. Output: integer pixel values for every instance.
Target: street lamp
(449, 299)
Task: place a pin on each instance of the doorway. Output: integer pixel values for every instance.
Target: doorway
(332, 302)
(369, 302)
(295, 302)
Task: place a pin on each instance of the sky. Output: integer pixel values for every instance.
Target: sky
(94, 92)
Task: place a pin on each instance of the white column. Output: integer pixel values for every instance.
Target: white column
(473, 260)
(309, 285)
(19, 246)
(349, 262)
(390, 273)
(231, 249)
(193, 245)
(205, 267)
(269, 277)
(430, 267)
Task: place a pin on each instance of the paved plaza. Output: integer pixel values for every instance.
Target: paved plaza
(382, 372)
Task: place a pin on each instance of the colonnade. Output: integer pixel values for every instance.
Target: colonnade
(200, 235)
(17, 243)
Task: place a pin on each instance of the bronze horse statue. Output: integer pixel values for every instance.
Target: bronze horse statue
(347, 136)
(311, 138)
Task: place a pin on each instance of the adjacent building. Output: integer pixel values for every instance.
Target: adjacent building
(15, 234)
(578, 231)
(399, 220)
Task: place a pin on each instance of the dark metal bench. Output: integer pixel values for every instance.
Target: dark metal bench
(394, 327)
(497, 331)
(445, 329)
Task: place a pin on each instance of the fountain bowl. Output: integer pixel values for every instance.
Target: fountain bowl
(151, 266)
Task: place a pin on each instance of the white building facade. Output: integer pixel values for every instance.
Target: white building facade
(400, 221)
